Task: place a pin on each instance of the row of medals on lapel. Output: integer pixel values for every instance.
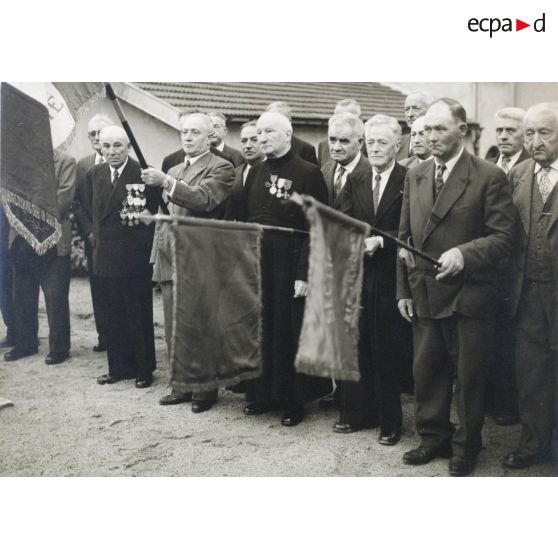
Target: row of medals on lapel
(133, 204)
(278, 187)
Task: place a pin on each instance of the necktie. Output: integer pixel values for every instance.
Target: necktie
(376, 192)
(439, 181)
(115, 178)
(506, 163)
(544, 183)
(338, 184)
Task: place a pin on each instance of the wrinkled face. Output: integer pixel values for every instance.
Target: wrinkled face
(249, 144)
(382, 144)
(419, 143)
(344, 143)
(445, 135)
(94, 133)
(219, 130)
(415, 106)
(114, 148)
(273, 138)
(541, 136)
(509, 136)
(194, 132)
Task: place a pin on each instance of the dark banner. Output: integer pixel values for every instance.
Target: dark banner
(217, 304)
(329, 338)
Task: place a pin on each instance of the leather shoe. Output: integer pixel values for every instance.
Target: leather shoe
(16, 354)
(201, 406)
(6, 343)
(254, 409)
(520, 459)
(293, 417)
(100, 348)
(425, 454)
(461, 466)
(172, 399)
(56, 358)
(344, 428)
(108, 379)
(506, 419)
(389, 438)
(143, 383)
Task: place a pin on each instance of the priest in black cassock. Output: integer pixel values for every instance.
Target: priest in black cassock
(284, 268)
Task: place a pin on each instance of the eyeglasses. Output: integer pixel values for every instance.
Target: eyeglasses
(94, 133)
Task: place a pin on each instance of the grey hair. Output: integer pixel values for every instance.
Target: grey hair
(427, 97)
(282, 118)
(204, 117)
(101, 117)
(114, 130)
(512, 113)
(246, 124)
(344, 104)
(379, 119)
(348, 118)
(543, 107)
(281, 107)
(219, 115)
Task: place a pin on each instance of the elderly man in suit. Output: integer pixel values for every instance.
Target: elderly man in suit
(121, 263)
(196, 188)
(508, 123)
(82, 215)
(217, 140)
(385, 347)
(419, 145)
(458, 209)
(416, 104)
(51, 272)
(534, 288)
(299, 147)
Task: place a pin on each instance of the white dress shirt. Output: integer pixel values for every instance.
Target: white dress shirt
(99, 159)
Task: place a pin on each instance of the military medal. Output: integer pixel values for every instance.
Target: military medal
(283, 187)
(272, 186)
(133, 204)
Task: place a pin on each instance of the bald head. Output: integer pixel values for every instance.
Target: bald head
(115, 145)
(274, 134)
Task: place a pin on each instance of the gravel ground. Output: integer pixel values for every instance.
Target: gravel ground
(64, 424)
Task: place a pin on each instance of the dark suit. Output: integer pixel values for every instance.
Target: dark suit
(454, 324)
(405, 149)
(121, 263)
(328, 170)
(82, 215)
(231, 153)
(304, 150)
(523, 157)
(385, 343)
(533, 306)
(177, 158)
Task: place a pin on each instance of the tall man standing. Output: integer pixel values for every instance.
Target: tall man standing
(534, 289)
(458, 209)
(385, 345)
(121, 262)
(196, 187)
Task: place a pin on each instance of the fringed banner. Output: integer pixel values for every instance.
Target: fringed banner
(329, 337)
(217, 304)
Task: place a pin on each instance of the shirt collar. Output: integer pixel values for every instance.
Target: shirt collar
(387, 172)
(513, 159)
(99, 158)
(221, 146)
(451, 163)
(350, 167)
(553, 166)
(194, 159)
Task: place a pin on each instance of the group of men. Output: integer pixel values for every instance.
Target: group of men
(478, 328)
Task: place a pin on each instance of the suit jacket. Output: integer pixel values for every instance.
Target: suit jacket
(473, 212)
(231, 153)
(118, 250)
(200, 192)
(405, 149)
(82, 212)
(522, 179)
(65, 175)
(304, 150)
(328, 170)
(523, 157)
(410, 162)
(177, 158)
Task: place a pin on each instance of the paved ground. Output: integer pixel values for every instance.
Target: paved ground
(64, 424)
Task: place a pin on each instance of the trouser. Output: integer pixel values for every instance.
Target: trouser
(51, 273)
(456, 346)
(168, 303)
(95, 296)
(6, 295)
(127, 304)
(537, 368)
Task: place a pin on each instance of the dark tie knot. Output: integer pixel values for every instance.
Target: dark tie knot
(441, 169)
(378, 178)
(342, 171)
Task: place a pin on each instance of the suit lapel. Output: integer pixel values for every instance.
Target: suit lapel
(119, 193)
(103, 190)
(193, 170)
(424, 198)
(453, 189)
(362, 189)
(522, 189)
(391, 193)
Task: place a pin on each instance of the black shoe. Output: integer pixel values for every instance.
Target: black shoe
(172, 399)
(425, 454)
(520, 459)
(16, 354)
(506, 419)
(6, 343)
(344, 428)
(108, 379)
(56, 358)
(143, 383)
(293, 417)
(100, 348)
(201, 406)
(389, 438)
(461, 466)
(254, 409)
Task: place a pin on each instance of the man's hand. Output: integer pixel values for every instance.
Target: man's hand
(452, 263)
(300, 288)
(153, 177)
(405, 306)
(372, 244)
(407, 257)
